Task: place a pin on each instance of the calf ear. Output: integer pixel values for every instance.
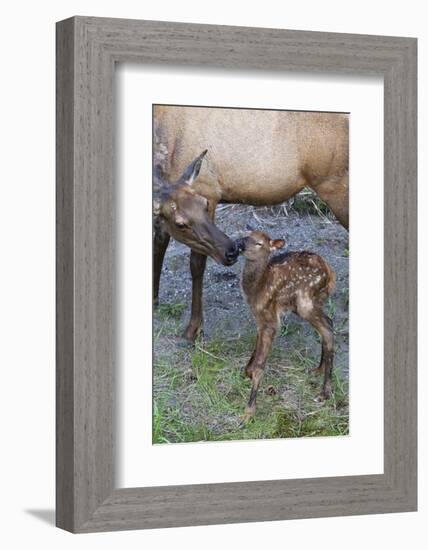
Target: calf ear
(192, 171)
(277, 244)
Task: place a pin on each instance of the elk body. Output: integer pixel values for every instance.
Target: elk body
(294, 281)
(256, 157)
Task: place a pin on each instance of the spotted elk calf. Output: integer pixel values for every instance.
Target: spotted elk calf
(294, 281)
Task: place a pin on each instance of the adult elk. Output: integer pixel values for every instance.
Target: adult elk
(256, 157)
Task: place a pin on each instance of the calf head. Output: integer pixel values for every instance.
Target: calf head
(186, 216)
(258, 245)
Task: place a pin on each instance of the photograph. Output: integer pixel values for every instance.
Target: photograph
(250, 273)
(210, 285)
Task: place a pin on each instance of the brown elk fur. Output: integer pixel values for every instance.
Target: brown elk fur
(259, 157)
(294, 281)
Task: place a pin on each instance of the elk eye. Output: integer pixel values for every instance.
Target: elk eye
(180, 225)
(259, 244)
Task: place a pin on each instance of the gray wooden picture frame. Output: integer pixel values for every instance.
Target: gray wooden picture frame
(87, 50)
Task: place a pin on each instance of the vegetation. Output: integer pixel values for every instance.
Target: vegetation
(200, 395)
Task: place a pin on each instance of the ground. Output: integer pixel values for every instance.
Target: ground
(198, 392)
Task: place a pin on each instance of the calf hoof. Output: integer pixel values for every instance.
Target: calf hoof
(319, 398)
(246, 418)
(323, 396)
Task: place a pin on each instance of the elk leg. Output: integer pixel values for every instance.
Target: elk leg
(264, 344)
(160, 244)
(197, 268)
(335, 193)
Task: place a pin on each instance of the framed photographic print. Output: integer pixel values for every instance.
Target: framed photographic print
(236, 274)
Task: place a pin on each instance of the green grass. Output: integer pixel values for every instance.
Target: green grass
(331, 308)
(308, 202)
(170, 310)
(200, 395)
(289, 329)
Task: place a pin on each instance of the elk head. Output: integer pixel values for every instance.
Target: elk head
(186, 215)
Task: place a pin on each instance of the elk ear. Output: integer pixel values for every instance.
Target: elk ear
(160, 186)
(276, 244)
(156, 207)
(158, 172)
(192, 171)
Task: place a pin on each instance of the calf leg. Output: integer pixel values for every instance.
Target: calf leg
(264, 344)
(160, 244)
(246, 371)
(197, 268)
(324, 326)
(320, 368)
(324, 353)
(327, 336)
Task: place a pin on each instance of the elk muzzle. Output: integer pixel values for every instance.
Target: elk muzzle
(232, 254)
(240, 245)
